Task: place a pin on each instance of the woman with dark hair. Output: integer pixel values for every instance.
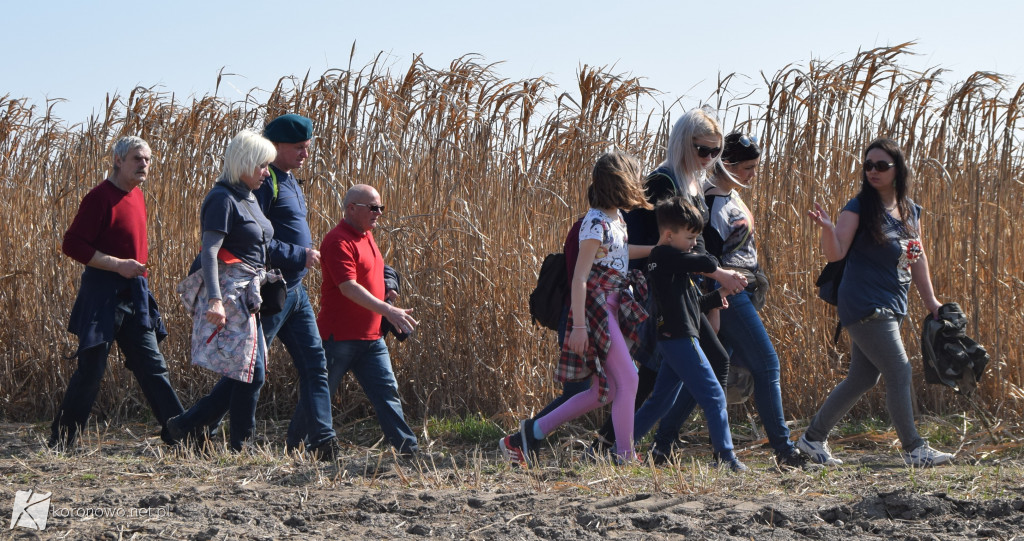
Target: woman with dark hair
(729, 236)
(880, 232)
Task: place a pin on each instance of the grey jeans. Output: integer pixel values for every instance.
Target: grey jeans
(876, 349)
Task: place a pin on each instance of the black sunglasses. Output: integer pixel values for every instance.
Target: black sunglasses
(704, 151)
(373, 208)
(880, 165)
(748, 140)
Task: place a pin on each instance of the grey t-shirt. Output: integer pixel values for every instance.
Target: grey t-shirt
(878, 275)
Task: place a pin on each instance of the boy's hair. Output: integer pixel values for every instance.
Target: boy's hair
(675, 213)
(616, 183)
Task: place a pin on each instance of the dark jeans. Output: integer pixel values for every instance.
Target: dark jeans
(370, 362)
(295, 325)
(141, 355)
(230, 396)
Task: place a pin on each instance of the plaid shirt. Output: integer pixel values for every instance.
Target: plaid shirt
(601, 282)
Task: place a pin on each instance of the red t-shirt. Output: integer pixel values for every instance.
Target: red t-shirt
(347, 254)
(109, 221)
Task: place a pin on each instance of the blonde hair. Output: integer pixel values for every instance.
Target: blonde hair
(681, 156)
(246, 151)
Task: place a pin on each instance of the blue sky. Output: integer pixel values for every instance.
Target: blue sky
(81, 50)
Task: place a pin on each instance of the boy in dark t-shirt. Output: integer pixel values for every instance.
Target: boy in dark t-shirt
(680, 304)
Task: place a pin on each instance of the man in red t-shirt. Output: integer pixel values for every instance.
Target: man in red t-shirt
(108, 236)
(352, 303)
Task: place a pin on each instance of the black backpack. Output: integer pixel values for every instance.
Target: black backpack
(548, 299)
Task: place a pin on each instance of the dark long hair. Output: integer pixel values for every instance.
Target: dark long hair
(871, 208)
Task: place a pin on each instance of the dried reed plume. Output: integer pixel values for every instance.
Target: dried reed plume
(482, 177)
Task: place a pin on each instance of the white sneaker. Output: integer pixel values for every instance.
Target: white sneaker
(817, 451)
(926, 457)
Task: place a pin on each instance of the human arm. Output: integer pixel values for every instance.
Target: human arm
(639, 251)
(284, 255)
(577, 341)
(391, 284)
(921, 275)
(211, 243)
(400, 318)
(835, 238)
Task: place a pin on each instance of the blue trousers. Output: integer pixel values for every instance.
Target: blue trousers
(683, 363)
(370, 362)
(745, 338)
(312, 422)
(230, 396)
(141, 355)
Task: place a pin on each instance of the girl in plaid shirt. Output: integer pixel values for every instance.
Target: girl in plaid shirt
(603, 312)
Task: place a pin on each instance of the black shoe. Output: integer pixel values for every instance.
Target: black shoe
(795, 460)
(62, 438)
(330, 451)
(529, 442)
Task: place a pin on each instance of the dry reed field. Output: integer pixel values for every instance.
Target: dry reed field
(482, 176)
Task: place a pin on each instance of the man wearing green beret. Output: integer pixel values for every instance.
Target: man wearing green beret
(291, 251)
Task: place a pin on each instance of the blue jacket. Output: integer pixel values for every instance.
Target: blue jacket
(287, 213)
(95, 315)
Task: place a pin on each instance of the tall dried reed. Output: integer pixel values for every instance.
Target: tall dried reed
(482, 176)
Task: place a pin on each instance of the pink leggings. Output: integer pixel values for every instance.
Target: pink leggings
(622, 382)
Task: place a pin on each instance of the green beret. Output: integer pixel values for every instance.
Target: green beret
(289, 128)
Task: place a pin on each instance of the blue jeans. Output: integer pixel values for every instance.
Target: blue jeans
(668, 428)
(569, 388)
(295, 325)
(230, 396)
(745, 338)
(370, 362)
(683, 363)
(141, 355)
(876, 349)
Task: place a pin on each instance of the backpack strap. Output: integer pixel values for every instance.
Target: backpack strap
(273, 184)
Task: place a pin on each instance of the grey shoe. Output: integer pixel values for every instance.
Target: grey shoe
(817, 451)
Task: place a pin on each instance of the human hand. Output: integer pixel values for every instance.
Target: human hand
(312, 258)
(725, 298)
(578, 341)
(391, 296)
(400, 319)
(819, 216)
(731, 281)
(130, 268)
(215, 313)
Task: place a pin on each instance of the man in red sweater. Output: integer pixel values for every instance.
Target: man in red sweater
(108, 236)
(351, 307)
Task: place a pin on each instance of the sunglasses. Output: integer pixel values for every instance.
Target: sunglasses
(704, 151)
(748, 140)
(373, 208)
(880, 165)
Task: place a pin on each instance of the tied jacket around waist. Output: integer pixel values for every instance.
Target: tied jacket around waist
(602, 281)
(233, 349)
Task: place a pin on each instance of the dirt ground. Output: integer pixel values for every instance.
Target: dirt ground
(124, 484)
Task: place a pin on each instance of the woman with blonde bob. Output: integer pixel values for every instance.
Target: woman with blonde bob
(226, 334)
(694, 147)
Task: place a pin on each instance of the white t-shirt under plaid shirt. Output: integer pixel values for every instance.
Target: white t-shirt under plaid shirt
(611, 232)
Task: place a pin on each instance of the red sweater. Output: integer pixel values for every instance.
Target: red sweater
(347, 254)
(109, 221)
